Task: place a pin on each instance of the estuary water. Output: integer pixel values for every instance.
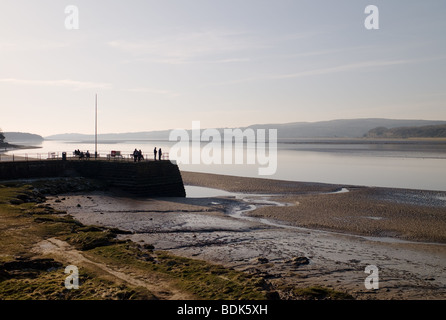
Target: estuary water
(400, 165)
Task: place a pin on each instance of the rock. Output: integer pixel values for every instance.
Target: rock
(24, 197)
(298, 261)
(15, 201)
(148, 246)
(261, 260)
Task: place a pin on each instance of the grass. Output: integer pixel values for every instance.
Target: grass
(22, 225)
(17, 230)
(49, 285)
(88, 239)
(25, 221)
(202, 279)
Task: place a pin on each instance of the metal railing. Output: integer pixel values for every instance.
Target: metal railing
(8, 157)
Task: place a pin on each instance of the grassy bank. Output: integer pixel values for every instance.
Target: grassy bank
(25, 221)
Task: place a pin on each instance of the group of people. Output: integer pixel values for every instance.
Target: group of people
(138, 156)
(81, 154)
(159, 154)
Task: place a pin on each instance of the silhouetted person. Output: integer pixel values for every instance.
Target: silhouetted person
(140, 156)
(135, 155)
(159, 154)
(88, 154)
(154, 153)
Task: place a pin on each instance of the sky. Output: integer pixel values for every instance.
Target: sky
(161, 64)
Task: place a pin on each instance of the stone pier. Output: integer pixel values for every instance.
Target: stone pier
(147, 178)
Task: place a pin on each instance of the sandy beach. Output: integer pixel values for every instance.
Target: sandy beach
(294, 234)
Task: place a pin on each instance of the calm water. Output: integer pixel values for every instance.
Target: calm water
(389, 165)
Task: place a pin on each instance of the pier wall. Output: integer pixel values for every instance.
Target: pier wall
(148, 178)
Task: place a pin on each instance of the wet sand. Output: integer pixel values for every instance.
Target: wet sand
(416, 215)
(268, 227)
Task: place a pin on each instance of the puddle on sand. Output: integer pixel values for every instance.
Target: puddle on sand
(373, 218)
(203, 192)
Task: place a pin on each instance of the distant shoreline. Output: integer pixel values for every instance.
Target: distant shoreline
(362, 141)
(4, 147)
(333, 140)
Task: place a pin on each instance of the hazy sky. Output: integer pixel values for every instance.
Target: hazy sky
(162, 64)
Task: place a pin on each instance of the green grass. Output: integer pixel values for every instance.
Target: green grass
(49, 285)
(85, 240)
(204, 280)
(22, 225)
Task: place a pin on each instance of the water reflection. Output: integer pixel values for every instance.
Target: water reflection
(204, 192)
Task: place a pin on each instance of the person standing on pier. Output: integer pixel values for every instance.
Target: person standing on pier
(135, 155)
(154, 154)
(159, 154)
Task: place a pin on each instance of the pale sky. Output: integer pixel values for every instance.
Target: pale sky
(162, 64)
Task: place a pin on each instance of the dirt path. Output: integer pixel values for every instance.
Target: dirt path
(158, 285)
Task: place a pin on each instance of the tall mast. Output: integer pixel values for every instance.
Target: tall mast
(96, 127)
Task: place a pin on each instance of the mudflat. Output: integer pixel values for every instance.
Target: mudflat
(417, 215)
(296, 235)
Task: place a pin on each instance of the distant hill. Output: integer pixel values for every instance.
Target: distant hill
(22, 138)
(344, 128)
(348, 128)
(438, 131)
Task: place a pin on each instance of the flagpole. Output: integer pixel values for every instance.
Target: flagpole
(96, 128)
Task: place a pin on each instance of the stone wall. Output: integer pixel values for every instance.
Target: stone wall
(148, 178)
